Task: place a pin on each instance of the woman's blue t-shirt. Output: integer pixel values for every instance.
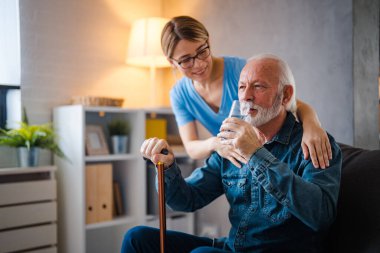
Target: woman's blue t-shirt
(189, 106)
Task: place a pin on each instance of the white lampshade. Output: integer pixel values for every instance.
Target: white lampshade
(144, 47)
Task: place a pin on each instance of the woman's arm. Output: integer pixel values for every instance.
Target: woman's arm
(315, 143)
(197, 149)
(201, 149)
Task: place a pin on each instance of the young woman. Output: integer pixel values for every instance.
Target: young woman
(203, 97)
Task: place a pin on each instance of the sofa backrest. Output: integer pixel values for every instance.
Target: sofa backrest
(357, 227)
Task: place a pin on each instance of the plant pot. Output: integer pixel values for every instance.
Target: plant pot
(28, 157)
(119, 144)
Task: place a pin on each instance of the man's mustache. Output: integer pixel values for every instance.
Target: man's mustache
(245, 106)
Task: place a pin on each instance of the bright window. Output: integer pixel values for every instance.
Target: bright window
(9, 42)
(10, 67)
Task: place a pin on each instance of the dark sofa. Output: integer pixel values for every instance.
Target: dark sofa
(357, 227)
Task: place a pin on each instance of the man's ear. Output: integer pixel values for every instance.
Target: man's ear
(288, 93)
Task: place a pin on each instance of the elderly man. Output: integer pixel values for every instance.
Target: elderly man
(279, 202)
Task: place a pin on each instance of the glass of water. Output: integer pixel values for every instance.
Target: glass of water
(235, 110)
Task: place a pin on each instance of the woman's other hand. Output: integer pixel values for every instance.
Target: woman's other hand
(316, 145)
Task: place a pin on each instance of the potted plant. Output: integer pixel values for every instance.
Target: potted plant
(119, 130)
(29, 139)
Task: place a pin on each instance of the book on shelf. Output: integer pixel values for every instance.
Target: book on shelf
(118, 203)
(156, 128)
(99, 194)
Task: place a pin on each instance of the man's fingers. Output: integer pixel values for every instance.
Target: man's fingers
(159, 146)
(226, 135)
(152, 147)
(234, 162)
(240, 158)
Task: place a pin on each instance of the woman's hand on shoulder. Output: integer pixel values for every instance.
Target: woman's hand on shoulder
(316, 145)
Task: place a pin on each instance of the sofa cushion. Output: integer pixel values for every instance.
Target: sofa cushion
(357, 227)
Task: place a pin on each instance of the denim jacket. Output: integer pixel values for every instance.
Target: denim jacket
(278, 200)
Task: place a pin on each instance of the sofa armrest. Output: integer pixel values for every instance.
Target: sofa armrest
(357, 227)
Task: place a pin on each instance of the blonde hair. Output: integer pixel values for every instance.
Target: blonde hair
(181, 28)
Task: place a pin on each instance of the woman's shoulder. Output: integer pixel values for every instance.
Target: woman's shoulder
(234, 63)
(234, 60)
(182, 86)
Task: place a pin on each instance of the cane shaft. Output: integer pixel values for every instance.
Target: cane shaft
(161, 203)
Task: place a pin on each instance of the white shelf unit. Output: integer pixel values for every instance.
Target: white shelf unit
(128, 169)
(28, 210)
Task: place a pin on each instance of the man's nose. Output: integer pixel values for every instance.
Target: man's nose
(246, 94)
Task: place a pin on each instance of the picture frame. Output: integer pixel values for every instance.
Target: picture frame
(95, 141)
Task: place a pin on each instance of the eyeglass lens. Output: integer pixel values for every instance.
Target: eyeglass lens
(189, 62)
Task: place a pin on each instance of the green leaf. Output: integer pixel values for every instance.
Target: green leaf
(41, 136)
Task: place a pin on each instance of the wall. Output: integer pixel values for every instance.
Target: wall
(366, 73)
(73, 48)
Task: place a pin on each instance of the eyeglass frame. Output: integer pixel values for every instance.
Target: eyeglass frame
(196, 56)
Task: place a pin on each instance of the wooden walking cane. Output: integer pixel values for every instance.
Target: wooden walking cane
(161, 204)
(161, 201)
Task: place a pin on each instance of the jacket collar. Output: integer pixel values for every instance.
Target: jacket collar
(283, 136)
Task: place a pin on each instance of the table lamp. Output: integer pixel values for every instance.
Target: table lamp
(144, 49)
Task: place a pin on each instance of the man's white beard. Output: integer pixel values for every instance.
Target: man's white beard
(264, 115)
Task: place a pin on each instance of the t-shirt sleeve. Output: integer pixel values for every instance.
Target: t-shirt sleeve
(180, 110)
(238, 66)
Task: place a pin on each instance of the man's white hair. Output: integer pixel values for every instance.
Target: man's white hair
(286, 78)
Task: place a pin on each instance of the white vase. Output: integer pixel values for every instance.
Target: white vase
(28, 157)
(119, 144)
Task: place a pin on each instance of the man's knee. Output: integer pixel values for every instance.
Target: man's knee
(137, 233)
(135, 239)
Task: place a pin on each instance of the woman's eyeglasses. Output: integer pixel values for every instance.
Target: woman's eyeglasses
(189, 61)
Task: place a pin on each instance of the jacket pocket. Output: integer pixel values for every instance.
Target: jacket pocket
(273, 210)
(235, 188)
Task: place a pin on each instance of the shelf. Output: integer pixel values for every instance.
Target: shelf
(26, 170)
(109, 109)
(105, 109)
(110, 158)
(129, 170)
(121, 220)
